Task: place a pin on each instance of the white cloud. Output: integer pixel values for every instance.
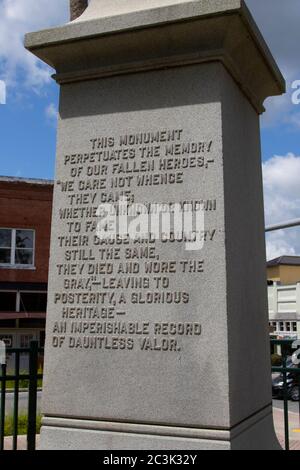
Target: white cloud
(19, 68)
(279, 244)
(279, 21)
(51, 112)
(282, 203)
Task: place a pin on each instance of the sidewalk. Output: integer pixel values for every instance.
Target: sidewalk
(294, 427)
(22, 443)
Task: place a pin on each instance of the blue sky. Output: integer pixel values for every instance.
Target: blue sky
(28, 120)
(28, 135)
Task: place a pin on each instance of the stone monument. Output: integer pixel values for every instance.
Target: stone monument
(77, 7)
(151, 345)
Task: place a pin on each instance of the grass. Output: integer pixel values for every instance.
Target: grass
(23, 383)
(10, 384)
(22, 425)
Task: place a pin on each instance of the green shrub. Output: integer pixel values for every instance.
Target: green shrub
(22, 425)
(276, 360)
(24, 383)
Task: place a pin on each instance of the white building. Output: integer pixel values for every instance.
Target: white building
(284, 310)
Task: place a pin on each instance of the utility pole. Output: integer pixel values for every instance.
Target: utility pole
(77, 7)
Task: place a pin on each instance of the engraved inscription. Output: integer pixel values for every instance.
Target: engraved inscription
(102, 280)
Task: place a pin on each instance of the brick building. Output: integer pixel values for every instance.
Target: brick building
(25, 223)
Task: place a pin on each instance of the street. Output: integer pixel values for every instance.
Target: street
(294, 423)
(23, 403)
(293, 405)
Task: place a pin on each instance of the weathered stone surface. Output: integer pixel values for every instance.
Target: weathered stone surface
(150, 345)
(111, 8)
(156, 38)
(77, 7)
(70, 434)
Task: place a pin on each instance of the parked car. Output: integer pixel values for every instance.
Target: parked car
(292, 383)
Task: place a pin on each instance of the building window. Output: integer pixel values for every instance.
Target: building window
(33, 302)
(16, 247)
(5, 246)
(288, 326)
(294, 324)
(20, 301)
(8, 301)
(8, 340)
(281, 326)
(25, 341)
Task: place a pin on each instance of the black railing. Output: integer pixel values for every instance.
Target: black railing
(32, 376)
(284, 369)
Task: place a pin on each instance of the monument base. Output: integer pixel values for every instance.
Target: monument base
(255, 433)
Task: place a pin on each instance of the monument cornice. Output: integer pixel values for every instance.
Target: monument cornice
(179, 35)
